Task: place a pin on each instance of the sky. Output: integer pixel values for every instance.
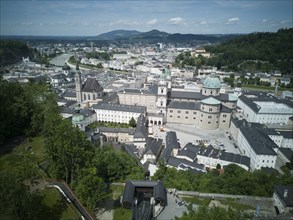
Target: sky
(91, 18)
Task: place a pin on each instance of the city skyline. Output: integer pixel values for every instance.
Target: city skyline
(91, 18)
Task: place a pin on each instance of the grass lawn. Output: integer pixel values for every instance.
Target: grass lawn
(196, 200)
(119, 213)
(11, 161)
(264, 88)
(236, 205)
(109, 124)
(56, 207)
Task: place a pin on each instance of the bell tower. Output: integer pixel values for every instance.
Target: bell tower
(162, 97)
(78, 84)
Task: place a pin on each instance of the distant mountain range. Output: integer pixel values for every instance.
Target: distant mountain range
(133, 36)
(154, 36)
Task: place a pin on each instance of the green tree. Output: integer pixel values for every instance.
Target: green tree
(16, 201)
(67, 147)
(132, 122)
(91, 189)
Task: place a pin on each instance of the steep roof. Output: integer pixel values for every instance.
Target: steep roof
(91, 84)
(171, 143)
(159, 192)
(235, 158)
(141, 130)
(153, 146)
(260, 142)
(281, 192)
(121, 108)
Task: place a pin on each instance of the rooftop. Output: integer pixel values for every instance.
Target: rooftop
(92, 85)
(121, 108)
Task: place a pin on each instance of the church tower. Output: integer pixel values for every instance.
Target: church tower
(78, 84)
(162, 94)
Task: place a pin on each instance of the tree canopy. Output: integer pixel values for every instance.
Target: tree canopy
(234, 180)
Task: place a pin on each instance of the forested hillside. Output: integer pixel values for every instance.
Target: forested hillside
(12, 51)
(268, 51)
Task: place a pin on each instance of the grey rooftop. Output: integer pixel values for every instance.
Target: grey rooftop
(121, 108)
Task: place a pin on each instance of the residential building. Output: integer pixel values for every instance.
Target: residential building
(109, 112)
(265, 108)
(283, 198)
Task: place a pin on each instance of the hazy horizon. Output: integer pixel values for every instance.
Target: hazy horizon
(92, 18)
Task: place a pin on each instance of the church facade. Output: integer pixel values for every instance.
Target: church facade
(89, 93)
(208, 109)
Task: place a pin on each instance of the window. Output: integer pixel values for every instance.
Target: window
(89, 96)
(186, 112)
(224, 121)
(210, 109)
(194, 113)
(200, 120)
(178, 116)
(217, 122)
(201, 115)
(194, 117)
(186, 117)
(178, 111)
(170, 116)
(171, 111)
(224, 116)
(209, 122)
(209, 116)
(162, 90)
(202, 108)
(211, 92)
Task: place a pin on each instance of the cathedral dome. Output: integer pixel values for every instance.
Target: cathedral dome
(77, 118)
(212, 82)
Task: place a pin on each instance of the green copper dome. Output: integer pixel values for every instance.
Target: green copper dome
(77, 117)
(212, 82)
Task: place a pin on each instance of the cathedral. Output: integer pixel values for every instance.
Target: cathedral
(208, 109)
(89, 93)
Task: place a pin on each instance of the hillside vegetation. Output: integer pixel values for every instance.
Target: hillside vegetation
(12, 52)
(265, 52)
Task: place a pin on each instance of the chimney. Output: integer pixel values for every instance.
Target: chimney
(285, 193)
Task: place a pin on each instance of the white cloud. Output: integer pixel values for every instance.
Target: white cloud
(264, 20)
(152, 22)
(203, 23)
(234, 20)
(124, 23)
(177, 20)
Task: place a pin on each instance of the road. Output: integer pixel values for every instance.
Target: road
(73, 199)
